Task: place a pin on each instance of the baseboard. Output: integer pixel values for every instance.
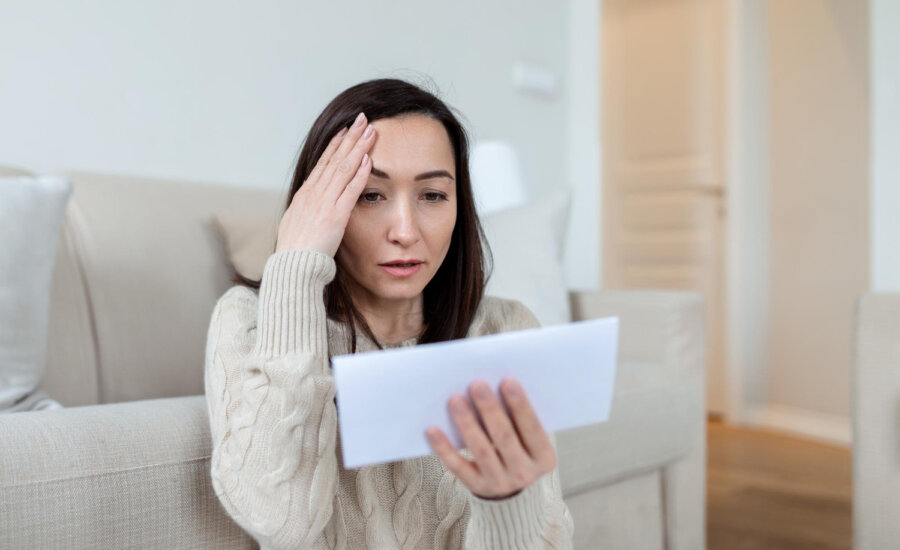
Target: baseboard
(820, 426)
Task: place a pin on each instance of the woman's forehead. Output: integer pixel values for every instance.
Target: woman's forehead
(408, 146)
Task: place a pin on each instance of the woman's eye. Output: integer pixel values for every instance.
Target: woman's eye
(372, 198)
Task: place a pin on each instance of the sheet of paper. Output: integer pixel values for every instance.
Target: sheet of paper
(387, 398)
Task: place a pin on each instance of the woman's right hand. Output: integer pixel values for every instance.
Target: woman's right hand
(317, 216)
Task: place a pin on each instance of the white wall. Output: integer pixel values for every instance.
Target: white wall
(748, 239)
(818, 128)
(225, 91)
(884, 18)
(582, 146)
(799, 203)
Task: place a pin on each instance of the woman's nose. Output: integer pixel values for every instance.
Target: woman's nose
(404, 228)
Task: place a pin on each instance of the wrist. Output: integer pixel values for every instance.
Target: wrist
(499, 498)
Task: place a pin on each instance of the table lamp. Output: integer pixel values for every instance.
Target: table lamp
(496, 177)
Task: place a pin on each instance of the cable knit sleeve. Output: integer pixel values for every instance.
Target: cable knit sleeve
(270, 398)
(537, 517)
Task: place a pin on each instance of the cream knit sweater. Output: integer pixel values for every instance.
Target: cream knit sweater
(276, 463)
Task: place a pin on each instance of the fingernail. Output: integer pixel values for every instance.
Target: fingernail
(368, 131)
(512, 388)
(359, 119)
(342, 132)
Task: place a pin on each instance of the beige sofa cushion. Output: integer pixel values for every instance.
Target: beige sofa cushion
(124, 475)
(248, 240)
(141, 272)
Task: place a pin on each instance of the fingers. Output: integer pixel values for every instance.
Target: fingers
(326, 156)
(475, 439)
(351, 193)
(531, 431)
(340, 181)
(487, 476)
(346, 159)
(500, 428)
(452, 459)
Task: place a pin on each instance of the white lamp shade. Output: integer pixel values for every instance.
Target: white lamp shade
(496, 177)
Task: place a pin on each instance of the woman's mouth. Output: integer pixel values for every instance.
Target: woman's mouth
(402, 270)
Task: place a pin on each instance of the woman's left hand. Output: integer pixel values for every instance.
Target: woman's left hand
(513, 454)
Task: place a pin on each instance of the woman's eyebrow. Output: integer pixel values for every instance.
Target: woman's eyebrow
(423, 176)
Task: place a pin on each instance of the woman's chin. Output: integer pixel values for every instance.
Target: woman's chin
(399, 289)
(400, 293)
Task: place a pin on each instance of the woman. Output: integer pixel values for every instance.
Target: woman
(379, 247)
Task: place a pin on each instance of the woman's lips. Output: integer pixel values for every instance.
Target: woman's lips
(401, 272)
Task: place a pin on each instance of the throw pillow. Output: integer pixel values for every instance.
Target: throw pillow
(249, 240)
(527, 244)
(31, 215)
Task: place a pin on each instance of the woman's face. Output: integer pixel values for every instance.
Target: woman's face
(406, 211)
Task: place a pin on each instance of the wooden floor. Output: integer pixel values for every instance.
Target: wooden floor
(769, 491)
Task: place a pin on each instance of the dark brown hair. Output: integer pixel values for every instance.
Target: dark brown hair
(453, 295)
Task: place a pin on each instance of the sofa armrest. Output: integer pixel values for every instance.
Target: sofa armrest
(664, 331)
(659, 400)
(876, 422)
(132, 474)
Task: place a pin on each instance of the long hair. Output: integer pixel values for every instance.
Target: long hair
(453, 295)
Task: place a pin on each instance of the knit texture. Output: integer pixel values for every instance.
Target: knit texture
(276, 463)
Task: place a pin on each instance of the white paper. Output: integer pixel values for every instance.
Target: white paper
(387, 398)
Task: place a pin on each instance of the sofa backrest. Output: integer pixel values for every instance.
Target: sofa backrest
(138, 271)
(139, 268)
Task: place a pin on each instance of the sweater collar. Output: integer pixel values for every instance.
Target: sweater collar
(339, 336)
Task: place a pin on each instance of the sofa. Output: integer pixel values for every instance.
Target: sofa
(876, 422)
(126, 462)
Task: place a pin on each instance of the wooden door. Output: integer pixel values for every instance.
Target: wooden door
(662, 110)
